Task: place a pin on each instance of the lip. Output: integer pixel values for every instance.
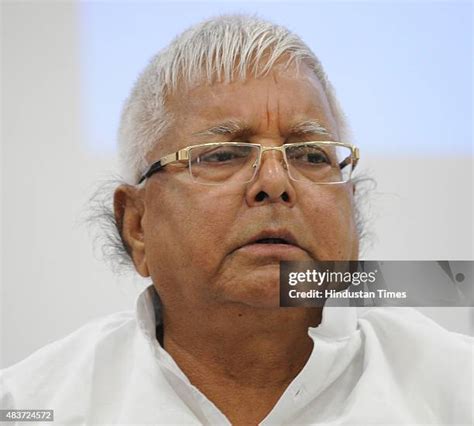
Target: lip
(273, 233)
(275, 251)
(289, 251)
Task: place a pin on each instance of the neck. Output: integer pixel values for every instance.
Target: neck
(240, 355)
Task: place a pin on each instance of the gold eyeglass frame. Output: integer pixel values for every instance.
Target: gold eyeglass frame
(183, 155)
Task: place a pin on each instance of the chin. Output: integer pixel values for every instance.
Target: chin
(259, 288)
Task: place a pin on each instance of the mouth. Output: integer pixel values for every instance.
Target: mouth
(276, 244)
(273, 236)
(271, 241)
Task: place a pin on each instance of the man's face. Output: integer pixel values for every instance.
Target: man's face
(200, 241)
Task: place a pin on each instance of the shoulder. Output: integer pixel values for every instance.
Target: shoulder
(70, 358)
(420, 361)
(407, 332)
(418, 352)
(408, 324)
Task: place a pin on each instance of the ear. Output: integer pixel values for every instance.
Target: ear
(129, 210)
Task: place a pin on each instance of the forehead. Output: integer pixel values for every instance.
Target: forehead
(272, 105)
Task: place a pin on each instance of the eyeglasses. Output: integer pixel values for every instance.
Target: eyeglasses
(217, 163)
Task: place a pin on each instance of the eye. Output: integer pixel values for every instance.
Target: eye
(315, 157)
(218, 157)
(308, 154)
(223, 155)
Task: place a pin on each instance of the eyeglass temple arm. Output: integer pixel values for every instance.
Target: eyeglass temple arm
(152, 170)
(162, 162)
(354, 159)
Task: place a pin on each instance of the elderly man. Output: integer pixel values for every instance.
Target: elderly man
(235, 158)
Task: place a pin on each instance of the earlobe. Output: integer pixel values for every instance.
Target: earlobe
(129, 210)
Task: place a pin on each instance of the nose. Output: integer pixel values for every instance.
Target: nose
(272, 183)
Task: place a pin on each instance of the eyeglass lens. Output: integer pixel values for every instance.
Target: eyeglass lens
(217, 164)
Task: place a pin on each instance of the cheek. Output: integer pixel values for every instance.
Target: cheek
(331, 215)
(186, 229)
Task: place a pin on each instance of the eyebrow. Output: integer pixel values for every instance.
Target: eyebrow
(235, 127)
(229, 127)
(309, 127)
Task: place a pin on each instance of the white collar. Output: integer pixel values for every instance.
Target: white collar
(337, 322)
(336, 341)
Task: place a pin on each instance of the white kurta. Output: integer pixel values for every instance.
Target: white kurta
(387, 366)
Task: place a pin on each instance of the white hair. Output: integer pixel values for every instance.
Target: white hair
(222, 49)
